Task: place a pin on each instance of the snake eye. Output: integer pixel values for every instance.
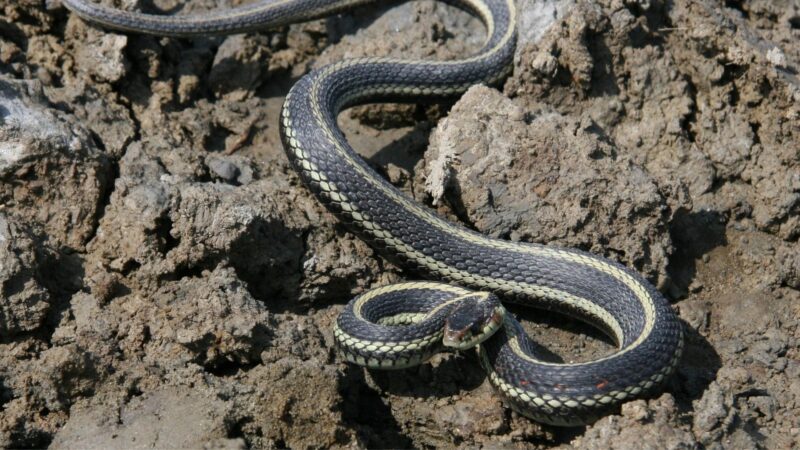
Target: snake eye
(474, 319)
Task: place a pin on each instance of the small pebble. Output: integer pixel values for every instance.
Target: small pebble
(224, 169)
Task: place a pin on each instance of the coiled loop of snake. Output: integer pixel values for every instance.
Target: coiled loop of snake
(377, 324)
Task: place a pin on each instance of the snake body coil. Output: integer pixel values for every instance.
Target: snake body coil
(396, 326)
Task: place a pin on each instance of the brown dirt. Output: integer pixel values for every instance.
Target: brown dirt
(166, 281)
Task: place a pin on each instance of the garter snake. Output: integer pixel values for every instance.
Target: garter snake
(402, 325)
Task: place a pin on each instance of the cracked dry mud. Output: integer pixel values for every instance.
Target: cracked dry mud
(168, 282)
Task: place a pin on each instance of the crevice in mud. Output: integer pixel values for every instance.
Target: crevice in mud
(564, 435)
(133, 392)
(206, 177)
(22, 437)
(752, 392)
(689, 121)
(129, 267)
(113, 170)
(754, 431)
(236, 431)
(604, 79)
(697, 368)
(730, 74)
(13, 33)
(755, 126)
(227, 368)
(738, 5)
(6, 394)
(641, 37)
(364, 410)
(189, 271)
(216, 140)
(62, 273)
(563, 76)
(166, 241)
(693, 234)
(265, 258)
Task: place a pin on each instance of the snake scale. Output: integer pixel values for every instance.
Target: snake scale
(402, 325)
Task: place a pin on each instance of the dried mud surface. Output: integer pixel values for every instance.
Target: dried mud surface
(166, 281)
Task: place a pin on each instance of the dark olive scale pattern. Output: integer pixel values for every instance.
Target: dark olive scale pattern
(391, 303)
(591, 288)
(406, 301)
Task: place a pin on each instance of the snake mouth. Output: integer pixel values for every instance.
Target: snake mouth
(474, 334)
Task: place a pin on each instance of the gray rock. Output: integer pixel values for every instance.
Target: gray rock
(548, 179)
(232, 169)
(224, 169)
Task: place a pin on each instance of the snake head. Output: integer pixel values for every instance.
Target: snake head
(474, 319)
